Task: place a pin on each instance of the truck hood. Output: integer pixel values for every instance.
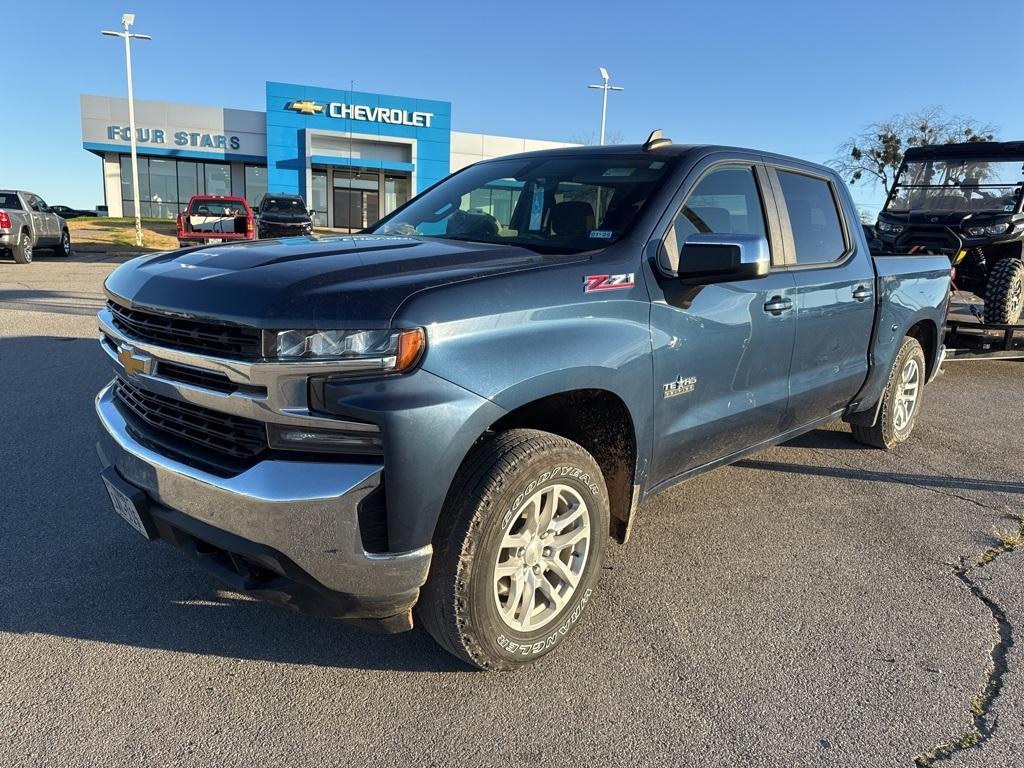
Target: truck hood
(283, 217)
(311, 282)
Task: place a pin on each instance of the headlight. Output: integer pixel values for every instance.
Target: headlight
(991, 229)
(384, 351)
(885, 226)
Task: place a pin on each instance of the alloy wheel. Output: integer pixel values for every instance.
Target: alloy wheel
(906, 397)
(541, 558)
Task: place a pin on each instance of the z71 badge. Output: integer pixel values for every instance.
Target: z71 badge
(593, 283)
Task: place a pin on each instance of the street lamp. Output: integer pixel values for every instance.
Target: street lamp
(126, 22)
(604, 97)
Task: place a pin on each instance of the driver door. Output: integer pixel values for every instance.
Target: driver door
(722, 351)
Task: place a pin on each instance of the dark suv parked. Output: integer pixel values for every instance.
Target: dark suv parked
(282, 216)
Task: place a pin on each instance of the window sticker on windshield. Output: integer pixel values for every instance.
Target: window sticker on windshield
(600, 234)
(656, 165)
(536, 207)
(619, 172)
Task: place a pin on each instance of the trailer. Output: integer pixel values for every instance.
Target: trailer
(968, 337)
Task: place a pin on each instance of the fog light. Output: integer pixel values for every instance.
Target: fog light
(293, 438)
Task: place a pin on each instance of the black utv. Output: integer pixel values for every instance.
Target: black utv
(964, 200)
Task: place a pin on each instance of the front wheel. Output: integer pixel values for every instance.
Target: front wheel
(63, 247)
(901, 400)
(518, 550)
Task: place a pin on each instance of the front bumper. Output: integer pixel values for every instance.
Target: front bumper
(284, 531)
(283, 230)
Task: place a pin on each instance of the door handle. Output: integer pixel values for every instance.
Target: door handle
(861, 293)
(776, 305)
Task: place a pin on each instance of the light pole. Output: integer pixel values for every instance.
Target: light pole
(604, 97)
(126, 22)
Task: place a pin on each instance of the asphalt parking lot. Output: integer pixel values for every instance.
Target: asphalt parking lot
(811, 606)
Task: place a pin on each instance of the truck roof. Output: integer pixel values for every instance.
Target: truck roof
(991, 149)
(663, 150)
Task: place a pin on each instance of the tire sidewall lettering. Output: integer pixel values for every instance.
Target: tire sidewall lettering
(555, 473)
(529, 649)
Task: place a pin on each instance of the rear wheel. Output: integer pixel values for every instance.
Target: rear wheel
(901, 400)
(1004, 292)
(518, 551)
(22, 252)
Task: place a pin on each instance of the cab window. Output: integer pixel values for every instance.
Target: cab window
(725, 201)
(813, 218)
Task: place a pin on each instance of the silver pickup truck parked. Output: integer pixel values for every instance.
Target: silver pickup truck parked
(27, 223)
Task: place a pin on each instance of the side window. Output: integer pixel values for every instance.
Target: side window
(41, 204)
(725, 201)
(813, 217)
(35, 203)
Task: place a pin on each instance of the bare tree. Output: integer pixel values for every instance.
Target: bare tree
(589, 138)
(876, 152)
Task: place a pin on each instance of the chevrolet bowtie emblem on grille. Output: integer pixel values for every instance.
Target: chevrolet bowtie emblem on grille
(306, 107)
(133, 361)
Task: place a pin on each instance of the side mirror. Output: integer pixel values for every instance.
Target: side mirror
(711, 258)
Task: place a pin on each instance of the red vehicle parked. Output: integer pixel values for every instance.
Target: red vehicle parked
(215, 219)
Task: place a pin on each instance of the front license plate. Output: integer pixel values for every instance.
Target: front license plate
(125, 507)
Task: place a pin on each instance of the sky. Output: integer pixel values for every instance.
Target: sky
(797, 77)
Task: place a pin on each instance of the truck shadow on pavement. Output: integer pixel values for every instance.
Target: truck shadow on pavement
(74, 569)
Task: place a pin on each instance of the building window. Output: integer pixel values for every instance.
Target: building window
(166, 184)
(318, 205)
(255, 182)
(218, 178)
(396, 192)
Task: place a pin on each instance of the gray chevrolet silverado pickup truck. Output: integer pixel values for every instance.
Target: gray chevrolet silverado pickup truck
(27, 222)
(448, 417)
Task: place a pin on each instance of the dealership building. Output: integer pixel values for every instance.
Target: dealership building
(353, 156)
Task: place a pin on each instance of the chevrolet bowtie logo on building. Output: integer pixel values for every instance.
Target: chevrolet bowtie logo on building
(133, 361)
(306, 107)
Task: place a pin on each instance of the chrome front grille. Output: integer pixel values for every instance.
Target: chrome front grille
(223, 433)
(188, 335)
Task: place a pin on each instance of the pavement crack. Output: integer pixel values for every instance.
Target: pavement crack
(983, 722)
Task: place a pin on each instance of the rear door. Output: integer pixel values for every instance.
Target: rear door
(721, 351)
(834, 295)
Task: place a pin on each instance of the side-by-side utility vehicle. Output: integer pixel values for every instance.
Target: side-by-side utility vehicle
(447, 418)
(964, 201)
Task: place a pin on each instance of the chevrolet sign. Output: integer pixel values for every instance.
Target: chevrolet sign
(364, 113)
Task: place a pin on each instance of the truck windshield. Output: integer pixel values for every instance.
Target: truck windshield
(284, 205)
(952, 185)
(561, 204)
(216, 208)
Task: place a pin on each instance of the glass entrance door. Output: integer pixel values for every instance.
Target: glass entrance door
(356, 198)
(361, 196)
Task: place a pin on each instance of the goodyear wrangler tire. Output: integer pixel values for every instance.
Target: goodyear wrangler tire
(901, 400)
(1004, 292)
(518, 550)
